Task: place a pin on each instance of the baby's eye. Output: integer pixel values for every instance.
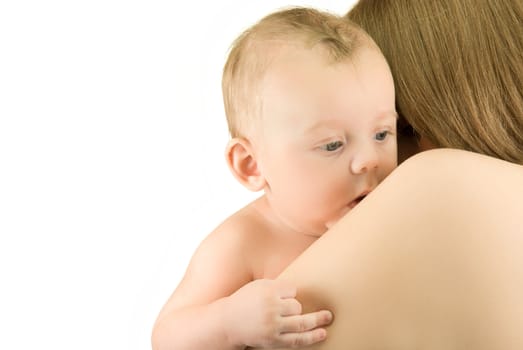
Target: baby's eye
(332, 146)
(382, 135)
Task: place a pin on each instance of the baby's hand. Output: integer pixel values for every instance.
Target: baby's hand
(265, 313)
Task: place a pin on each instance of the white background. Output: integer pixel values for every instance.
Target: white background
(112, 134)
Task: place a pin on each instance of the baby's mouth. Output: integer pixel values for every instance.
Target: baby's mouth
(356, 201)
(351, 205)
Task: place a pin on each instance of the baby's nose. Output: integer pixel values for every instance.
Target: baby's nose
(364, 160)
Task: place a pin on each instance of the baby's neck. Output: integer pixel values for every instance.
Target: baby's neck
(277, 244)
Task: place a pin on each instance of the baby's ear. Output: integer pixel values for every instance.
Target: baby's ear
(243, 164)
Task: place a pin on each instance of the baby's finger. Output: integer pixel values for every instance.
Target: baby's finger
(290, 307)
(296, 340)
(306, 322)
(286, 289)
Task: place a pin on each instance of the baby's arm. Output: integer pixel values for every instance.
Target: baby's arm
(218, 306)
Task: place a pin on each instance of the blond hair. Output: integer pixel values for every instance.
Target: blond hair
(253, 51)
(458, 69)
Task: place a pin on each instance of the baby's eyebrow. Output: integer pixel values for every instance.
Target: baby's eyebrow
(326, 122)
(388, 114)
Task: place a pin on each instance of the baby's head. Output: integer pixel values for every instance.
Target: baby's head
(309, 100)
(256, 49)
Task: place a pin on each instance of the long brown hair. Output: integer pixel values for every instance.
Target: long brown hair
(458, 69)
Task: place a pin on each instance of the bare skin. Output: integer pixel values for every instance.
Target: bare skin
(230, 279)
(326, 140)
(432, 259)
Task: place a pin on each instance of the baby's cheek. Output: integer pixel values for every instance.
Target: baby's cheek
(387, 166)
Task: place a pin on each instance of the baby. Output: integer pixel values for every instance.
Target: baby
(309, 100)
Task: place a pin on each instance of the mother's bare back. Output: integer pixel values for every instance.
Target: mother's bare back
(432, 259)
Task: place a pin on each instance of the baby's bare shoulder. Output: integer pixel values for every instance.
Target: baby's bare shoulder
(244, 230)
(221, 264)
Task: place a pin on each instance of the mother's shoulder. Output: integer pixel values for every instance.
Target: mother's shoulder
(454, 164)
(451, 174)
(449, 156)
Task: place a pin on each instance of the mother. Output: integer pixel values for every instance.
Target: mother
(433, 258)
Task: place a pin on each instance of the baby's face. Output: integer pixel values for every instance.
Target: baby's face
(327, 135)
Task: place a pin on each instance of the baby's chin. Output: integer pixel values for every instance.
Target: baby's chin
(331, 223)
